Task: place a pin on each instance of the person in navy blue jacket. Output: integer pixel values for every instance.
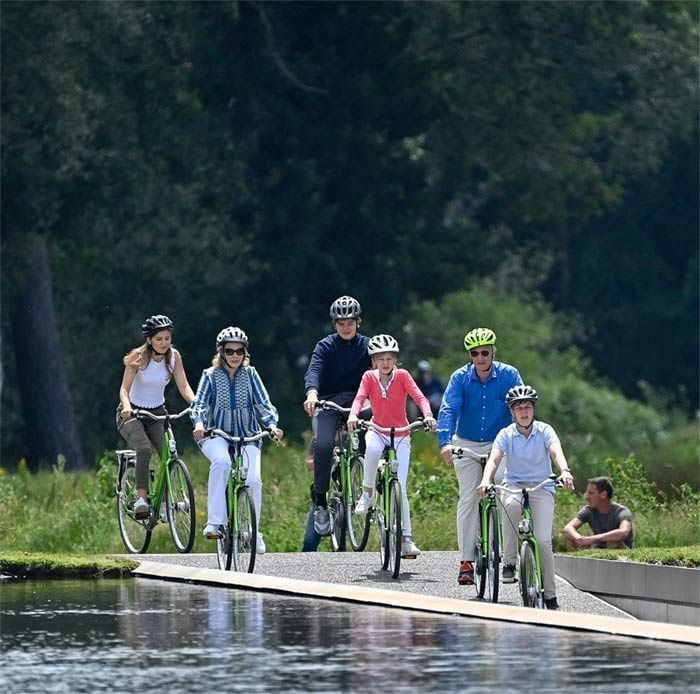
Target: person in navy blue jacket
(334, 373)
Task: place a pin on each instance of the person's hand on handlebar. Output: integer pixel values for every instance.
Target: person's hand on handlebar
(430, 422)
(199, 431)
(483, 486)
(126, 413)
(446, 453)
(276, 434)
(353, 421)
(310, 402)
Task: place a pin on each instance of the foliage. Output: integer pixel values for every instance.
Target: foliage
(249, 162)
(688, 557)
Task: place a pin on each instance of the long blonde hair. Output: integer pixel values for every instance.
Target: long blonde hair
(140, 357)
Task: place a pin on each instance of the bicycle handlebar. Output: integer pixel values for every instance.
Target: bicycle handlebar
(552, 478)
(413, 426)
(159, 417)
(330, 405)
(241, 439)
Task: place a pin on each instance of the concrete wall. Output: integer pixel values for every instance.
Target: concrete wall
(646, 591)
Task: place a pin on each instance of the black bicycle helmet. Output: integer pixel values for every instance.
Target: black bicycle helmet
(519, 393)
(345, 307)
(155, 324)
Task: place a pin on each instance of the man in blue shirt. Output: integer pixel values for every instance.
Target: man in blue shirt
(473, 411)
(334, 373)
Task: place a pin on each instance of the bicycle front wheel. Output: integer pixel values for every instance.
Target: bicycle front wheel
(245, 533)
(480, 565)
(394, 531)
(338, 530)
(180, 506)
(136, 534)
(358, 526)
(530, 584)
(493, 554)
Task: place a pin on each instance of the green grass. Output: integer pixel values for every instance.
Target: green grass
(39, 566)
(58, 512)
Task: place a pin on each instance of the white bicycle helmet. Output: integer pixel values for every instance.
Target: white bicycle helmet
(231, 334)
(345, 307)
(382, 343)
(520, 393)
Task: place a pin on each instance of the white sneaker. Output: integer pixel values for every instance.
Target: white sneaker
(364, 504)
(212, 532)
(409, 549)
(260, 545)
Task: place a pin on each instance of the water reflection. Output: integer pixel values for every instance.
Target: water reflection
(86, 636)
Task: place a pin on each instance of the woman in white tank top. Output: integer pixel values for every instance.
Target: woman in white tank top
(147, 370)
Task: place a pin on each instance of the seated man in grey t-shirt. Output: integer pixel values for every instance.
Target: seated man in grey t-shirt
(611, 523)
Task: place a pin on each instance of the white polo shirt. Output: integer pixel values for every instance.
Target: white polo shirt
(527, 458)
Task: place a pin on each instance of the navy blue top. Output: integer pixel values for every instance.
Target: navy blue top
(337, 365)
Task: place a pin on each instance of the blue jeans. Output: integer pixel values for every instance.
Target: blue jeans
(311, 538)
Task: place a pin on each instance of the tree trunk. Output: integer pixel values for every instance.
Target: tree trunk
(46, 400)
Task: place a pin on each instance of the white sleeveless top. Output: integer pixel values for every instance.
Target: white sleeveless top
(148, 387)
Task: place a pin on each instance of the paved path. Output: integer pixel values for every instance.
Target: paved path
(433, 573)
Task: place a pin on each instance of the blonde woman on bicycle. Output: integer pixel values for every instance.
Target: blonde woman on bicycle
(147, 370)
(387, 388)
(232, 397)
(529, 447)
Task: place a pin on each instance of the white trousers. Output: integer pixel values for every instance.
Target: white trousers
(216, 450)
(375, 447)
(542, 505)
(469, 471)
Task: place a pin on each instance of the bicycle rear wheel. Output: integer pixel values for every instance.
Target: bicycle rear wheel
(394, 530)
(245, 535)
(136, 534)
(530, 584)
(180, 506)
(358, 526)
(493, 554)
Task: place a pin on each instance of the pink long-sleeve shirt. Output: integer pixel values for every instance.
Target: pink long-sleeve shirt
(389, 403)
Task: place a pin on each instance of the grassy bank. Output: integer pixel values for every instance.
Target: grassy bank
(59, 512)
(38, 566)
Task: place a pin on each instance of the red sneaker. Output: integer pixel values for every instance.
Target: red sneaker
(466, 574)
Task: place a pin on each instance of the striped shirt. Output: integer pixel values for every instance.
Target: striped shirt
(237, 404)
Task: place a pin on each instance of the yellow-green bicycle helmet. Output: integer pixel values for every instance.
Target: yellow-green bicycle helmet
(479, 337)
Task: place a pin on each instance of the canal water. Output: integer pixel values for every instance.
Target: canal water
(135, 635)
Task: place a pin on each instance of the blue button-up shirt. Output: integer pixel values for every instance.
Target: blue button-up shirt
(474, 409)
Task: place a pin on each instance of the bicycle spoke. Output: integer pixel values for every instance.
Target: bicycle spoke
(358, 526)
(245, 535)
(180, 507)
(136, 534)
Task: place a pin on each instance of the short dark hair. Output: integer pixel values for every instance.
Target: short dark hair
(602, 484)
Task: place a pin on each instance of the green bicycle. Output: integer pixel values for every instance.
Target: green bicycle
(387, 510)
(489, 540)
(170, 493)
(347, 471)
(239, 537)
(530, 564)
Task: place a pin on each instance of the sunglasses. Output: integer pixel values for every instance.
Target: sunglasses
(230, 352)
(483, 353)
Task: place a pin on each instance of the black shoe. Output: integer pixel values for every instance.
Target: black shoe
(551, 603)
(508, 573)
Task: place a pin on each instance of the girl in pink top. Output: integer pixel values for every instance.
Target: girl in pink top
(387, 388)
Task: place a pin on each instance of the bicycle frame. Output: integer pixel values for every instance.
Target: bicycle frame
(165, 507)
(532, 591)
(487, 549)
(389, 491)
(236, 540)
(342, 502)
